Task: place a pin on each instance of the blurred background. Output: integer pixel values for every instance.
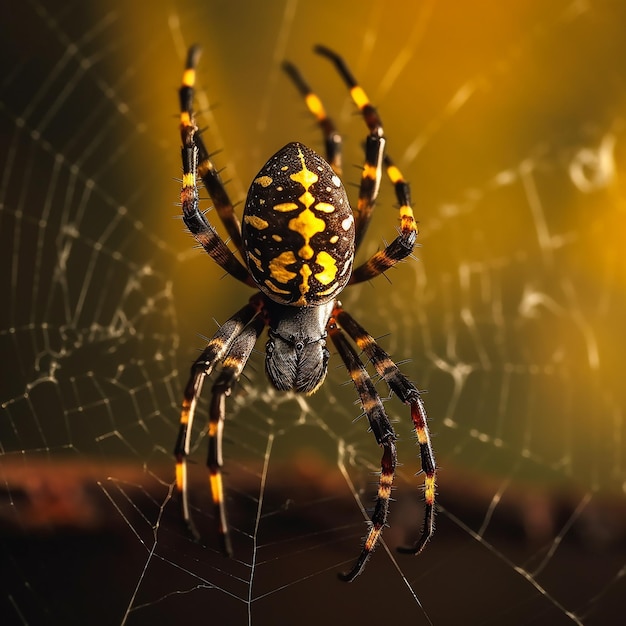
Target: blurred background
(507, 119)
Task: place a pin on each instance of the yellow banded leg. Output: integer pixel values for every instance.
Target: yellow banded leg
(196, 162)
(402, 246)
(181, 450)
(232, 366)
(206, 169)
(385, 437)
(418, 415)
(332, 139)
(358, 95)
(369, 186)
(215, 350)
(406, 391)
(374, 146)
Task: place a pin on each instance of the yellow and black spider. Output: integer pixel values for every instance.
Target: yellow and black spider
(298, 239)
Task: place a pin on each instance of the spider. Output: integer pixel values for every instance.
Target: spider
(298, 239)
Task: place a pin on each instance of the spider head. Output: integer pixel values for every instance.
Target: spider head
(296, 357)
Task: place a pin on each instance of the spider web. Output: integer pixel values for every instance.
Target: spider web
(508, 122)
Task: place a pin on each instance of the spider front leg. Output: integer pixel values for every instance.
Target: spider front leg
(216, 349)
(196, 162)
(385, 437)
(402, 246)
(374, 143)
(375, 160)
(332, 139)
(409, 394)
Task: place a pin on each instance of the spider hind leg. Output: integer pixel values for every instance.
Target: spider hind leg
(385, 437)
(406, 391)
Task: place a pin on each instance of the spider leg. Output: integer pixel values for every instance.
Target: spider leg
(232, 366)
(196, 161)
(374, 146)
(408, 393)
(385, 437)
(216, 349)
(332, 139)
(402, 246)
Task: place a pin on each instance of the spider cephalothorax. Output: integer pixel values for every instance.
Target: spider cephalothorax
(296, 357)
(298, 240)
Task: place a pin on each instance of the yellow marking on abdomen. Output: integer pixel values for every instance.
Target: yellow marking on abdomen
(256, 261)
(189, 180)
(256, 222)
(275, 289)
(307, 198)
(324, 207)
(305, 272)
(305, 176)
(328, 274)
(307, 224)
(278, 267)
(285, 207)
(264, 181)
(327, 292)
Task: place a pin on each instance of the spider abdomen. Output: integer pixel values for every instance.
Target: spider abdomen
(298, 229)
